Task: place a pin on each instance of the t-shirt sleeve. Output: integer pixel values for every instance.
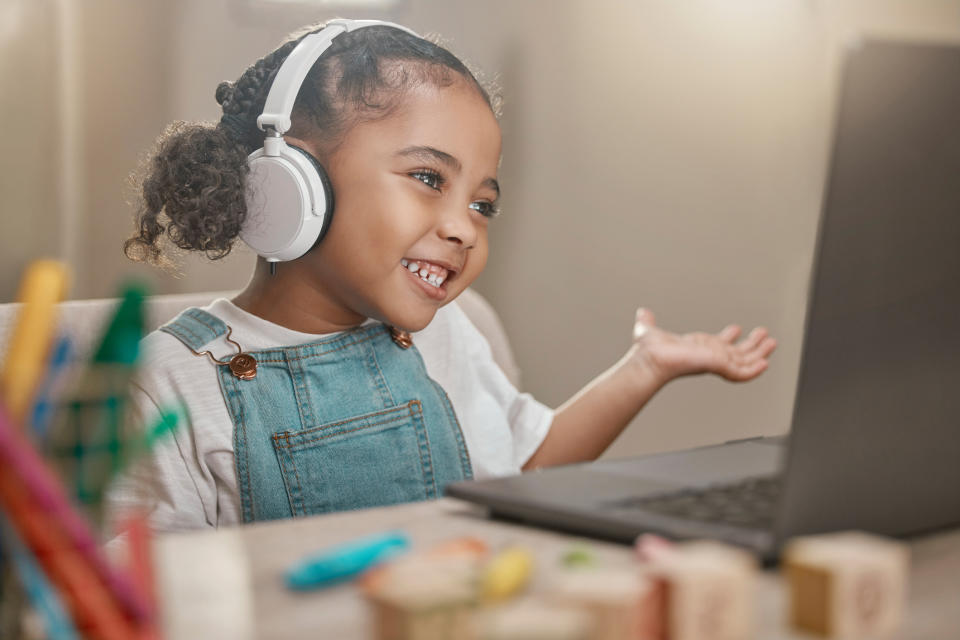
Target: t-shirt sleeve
(529, 419)
(160, 483)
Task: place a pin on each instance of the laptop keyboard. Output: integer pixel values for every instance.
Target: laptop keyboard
(749, 503)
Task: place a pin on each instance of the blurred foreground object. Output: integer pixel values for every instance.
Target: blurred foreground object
(534, 620)
(92, 437)
(339, 564)
(613, 598)
(846, 585)
(702, 590)
(44, 285)
(57, 550)
(507, 574)
(103, 602)
(426, 597)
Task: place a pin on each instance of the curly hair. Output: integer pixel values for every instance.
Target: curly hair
(192, 188)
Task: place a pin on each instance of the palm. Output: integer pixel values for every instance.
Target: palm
(674, 355)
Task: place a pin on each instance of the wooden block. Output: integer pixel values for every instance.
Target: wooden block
(425, 598)
(704, 591)
(614, 597)
(398, 621)
(847, 584)
(533, 620)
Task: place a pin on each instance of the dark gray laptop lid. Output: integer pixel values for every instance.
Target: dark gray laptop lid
(875, 442)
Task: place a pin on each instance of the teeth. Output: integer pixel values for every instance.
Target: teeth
(433, 279)
(429, 273)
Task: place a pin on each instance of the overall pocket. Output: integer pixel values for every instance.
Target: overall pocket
(370, 460)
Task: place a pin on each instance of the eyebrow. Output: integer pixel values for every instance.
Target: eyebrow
(427, 153)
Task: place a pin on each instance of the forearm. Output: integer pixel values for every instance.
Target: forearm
(585, 425)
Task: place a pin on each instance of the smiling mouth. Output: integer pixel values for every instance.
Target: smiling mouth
(433, 274)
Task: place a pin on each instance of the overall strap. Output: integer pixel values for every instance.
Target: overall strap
(195, 328)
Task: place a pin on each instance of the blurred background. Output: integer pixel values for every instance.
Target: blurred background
(664, 153)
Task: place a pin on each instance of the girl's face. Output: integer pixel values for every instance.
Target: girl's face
(414, 195)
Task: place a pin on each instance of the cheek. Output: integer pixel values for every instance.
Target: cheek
(478, 258)
(364, 227)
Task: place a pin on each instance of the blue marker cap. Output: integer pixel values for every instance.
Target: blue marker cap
(341, 563)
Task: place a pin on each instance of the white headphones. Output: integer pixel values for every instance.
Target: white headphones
(288, 194)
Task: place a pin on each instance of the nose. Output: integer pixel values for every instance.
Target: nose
(456, 225)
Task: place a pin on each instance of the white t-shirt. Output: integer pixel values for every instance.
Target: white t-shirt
(189, 481)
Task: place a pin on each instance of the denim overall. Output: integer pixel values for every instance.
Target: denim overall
(345, 422)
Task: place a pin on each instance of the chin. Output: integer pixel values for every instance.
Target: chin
(411, 320)
(413, 326)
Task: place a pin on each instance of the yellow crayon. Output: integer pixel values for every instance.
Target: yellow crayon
(507, 574)
(42, 287)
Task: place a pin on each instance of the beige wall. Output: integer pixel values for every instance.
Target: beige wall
(669, 154)
(28, 106)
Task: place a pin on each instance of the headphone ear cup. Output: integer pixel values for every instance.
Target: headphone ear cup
(289, 202)
(328, 202)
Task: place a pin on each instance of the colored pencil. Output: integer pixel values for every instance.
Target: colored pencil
(42, 287)
(42, 595)
(141, 568)
(45, 402)
(17, 455)
(94, 608)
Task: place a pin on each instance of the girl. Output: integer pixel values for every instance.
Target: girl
(332, 404)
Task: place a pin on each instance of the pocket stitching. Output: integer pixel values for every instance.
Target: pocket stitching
(290, 499)
(286, 435)
(433, 476)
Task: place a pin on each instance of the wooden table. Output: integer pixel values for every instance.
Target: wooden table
(228, 583)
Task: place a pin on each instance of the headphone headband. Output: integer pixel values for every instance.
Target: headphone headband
(286, 84)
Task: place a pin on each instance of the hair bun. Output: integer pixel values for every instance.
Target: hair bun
(224, 92)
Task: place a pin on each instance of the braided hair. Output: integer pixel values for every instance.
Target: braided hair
(192, 188)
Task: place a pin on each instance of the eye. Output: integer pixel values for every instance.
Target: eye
(428, 177)
(486, 209)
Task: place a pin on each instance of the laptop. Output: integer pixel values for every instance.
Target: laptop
(875, 436)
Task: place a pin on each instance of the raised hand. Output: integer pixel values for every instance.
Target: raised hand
(585, 425)
(670, 355)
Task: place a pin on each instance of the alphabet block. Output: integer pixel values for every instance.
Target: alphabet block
(847, 584)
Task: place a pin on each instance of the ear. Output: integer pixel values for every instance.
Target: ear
(304, 145)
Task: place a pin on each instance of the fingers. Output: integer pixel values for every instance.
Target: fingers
(645, 316)
(644, 321)
(752, 340)
(746, 371)
(730, 333)
(765, 348)
(760, 345)
(748, 364)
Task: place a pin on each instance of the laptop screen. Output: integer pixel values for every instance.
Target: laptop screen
(875, 442)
